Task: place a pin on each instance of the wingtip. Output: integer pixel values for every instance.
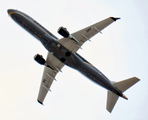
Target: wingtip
(40, 102)
(113, 18)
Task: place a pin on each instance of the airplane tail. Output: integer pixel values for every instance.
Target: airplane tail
(122, 86)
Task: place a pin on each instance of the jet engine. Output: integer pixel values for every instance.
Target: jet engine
(63, 31)
(39, 58)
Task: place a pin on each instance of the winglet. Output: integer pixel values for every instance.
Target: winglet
(113, 18)
(40, 102)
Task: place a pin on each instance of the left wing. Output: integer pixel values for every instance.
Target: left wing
(76, 40)
(50, 71)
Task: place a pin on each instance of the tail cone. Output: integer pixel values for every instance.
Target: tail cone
(125, 97)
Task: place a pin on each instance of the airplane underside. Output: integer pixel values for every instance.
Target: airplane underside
(64, 52)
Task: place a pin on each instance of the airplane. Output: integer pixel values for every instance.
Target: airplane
(64, 52)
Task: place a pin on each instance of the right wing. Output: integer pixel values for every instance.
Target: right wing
(50, 71)
(81, 36)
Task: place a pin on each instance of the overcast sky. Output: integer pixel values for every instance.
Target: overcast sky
(120, 53)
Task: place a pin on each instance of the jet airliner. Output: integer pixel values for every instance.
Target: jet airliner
(64, 52)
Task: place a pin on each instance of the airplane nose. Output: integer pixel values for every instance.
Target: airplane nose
(10, 11)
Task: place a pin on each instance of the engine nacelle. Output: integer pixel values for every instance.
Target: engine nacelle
(63, 31)
(39, 58)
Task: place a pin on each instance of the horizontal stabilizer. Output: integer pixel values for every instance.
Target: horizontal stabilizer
(125, 84)
(111, 101)
(122, 86)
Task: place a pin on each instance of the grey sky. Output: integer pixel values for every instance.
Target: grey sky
(120, 53)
